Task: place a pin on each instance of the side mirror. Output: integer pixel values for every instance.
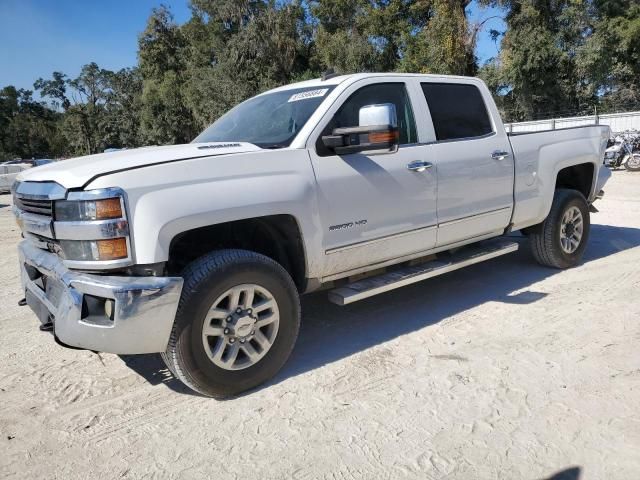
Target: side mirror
(377, 130)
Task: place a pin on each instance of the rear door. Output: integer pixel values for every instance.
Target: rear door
(474, 162)
(374, 206)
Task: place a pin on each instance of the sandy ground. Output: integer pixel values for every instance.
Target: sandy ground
(502, 370)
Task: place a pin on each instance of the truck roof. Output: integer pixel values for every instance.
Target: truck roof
(319, 82)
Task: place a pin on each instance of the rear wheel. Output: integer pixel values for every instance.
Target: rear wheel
(561, 239)
(633, 163)
(236, 325)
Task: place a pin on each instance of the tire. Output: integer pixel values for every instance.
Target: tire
(205, 280)
(633, 163)
(545, 238)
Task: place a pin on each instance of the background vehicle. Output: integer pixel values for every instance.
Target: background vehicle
(8, 172)
(624, 150)
(359, 184)
(10, 169)
(38, 162)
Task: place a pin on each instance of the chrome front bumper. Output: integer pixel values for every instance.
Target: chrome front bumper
(144, 308)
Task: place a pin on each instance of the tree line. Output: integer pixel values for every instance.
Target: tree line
(556, 57)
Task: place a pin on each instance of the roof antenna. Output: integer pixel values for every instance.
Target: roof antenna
(329, 73)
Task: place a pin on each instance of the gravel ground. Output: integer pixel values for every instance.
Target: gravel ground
(501, 370)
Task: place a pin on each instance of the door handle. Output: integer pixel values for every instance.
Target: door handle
(419, 166)
(499, 154)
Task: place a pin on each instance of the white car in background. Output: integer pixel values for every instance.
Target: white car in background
(10, 169)
(8, 172)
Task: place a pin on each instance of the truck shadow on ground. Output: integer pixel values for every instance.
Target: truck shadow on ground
(330, 332)
(571, 473)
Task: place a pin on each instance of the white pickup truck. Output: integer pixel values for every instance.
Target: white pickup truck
(358, 184)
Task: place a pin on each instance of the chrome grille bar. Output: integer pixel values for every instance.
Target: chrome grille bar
(40, 207)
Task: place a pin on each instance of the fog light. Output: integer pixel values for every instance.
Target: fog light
(109, 308)
(98, 310)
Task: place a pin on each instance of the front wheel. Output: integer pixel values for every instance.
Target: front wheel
(633, 163)
(561, 239)
(236, 325)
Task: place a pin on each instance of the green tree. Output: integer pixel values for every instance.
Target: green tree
(239, 49)
(27, 127)
(165, 117)
(535, 75)
(446, 44)
(610, 58)
(100, 108)
(122, 108)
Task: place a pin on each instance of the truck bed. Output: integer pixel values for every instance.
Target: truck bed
(539, 156)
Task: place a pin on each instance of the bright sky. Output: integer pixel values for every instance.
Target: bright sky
(38, 37)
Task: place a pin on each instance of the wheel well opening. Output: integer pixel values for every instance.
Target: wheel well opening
(276, 236)
(577, 177)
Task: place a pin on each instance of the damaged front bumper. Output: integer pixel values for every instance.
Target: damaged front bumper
(115, 314)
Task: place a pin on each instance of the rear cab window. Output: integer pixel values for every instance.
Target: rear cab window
(457, 111)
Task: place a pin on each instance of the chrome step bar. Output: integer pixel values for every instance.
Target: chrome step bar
(401, 276)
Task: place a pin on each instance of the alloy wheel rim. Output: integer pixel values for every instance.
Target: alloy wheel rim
(240, 327)
(571, 230)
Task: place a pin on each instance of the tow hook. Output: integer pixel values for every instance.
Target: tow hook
(22, 302)
(48, 326)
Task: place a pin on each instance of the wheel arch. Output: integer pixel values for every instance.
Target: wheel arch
(278, 237)
(580, 177)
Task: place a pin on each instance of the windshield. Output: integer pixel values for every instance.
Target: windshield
(271, 120)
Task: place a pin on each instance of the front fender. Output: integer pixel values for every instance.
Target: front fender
(166, 200)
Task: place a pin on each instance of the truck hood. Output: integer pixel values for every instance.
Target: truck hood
(77, 172)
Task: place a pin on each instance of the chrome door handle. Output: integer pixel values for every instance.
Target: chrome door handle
(499, 154)
(419, 166)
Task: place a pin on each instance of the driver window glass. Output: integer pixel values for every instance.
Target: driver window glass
(348, 114)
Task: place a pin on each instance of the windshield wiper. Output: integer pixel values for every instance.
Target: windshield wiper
(273, 146)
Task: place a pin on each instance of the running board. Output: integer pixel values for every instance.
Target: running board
(399, 277)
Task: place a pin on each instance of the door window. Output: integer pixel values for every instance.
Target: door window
(348, 114)
(457, 110)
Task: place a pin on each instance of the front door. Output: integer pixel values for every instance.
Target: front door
(375, 207)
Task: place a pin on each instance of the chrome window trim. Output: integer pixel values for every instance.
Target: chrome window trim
(91, 229)
(463, 139)
(39, 190)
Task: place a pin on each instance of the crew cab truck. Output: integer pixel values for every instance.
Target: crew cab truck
(358, 184)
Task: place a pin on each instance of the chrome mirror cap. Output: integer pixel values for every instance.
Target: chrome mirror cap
(379, 114)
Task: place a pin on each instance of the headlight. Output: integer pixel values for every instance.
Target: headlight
(92, 229)
(104, 209)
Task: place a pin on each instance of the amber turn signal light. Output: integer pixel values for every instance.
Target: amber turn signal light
(108, 208)
(113, 249)
(383, 137)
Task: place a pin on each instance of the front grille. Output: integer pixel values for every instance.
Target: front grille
(39, 207)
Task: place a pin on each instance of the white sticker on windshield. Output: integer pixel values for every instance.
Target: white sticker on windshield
(309, 94)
